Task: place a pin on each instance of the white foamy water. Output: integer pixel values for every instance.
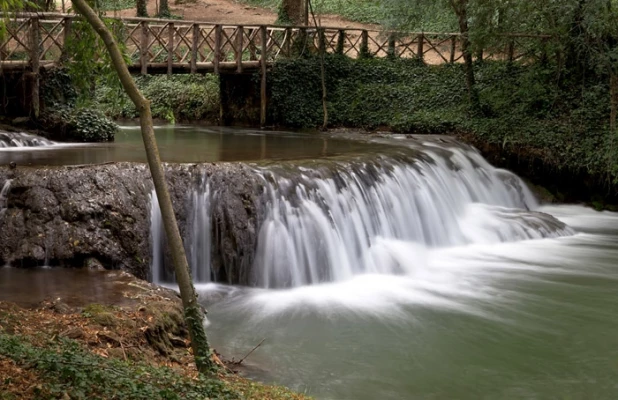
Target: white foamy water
(17, 140)
(331, 223)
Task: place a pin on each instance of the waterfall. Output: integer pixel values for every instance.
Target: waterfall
(3, 196)
(329, 221)
(197, 241)
(329, 226)
(21, 139)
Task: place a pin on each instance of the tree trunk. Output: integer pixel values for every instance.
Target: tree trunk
(164, 9)
(461, 10)
(292, 12)
(613, 90)
(193, 314)
(141, 8)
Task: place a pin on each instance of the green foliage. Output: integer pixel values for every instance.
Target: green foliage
(565, 120)
(57, 88)
(112, 5)
(72, 372)
(89, 58)
(79, 124)
(180, 97)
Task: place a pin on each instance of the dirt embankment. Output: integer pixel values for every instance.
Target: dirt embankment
(143, 326)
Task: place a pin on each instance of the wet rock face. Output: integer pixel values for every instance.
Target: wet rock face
(69, 216)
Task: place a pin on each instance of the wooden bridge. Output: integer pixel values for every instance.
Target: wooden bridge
(35, 41)
(157, 46)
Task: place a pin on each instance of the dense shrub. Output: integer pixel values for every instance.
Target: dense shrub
(78, 125)
(565, 121)
(180, 97)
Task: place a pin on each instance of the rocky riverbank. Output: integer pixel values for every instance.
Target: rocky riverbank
(65, 216)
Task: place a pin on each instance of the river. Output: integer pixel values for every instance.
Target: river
(416, 273)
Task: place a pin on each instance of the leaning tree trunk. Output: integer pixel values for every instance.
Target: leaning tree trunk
(461, 9)
(194, 316)
(142, 11)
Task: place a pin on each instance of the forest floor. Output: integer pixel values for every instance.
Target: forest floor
(138, 339)
(234, 12)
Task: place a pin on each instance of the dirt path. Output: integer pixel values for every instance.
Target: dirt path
(233, 12)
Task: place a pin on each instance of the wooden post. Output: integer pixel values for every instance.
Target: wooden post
(321, 40)
(170, 47)
(510, 51)
(453, 48)
(66, 33)
(420, 47)
(217, 48)
(364, 49)
(340, 41)
(239, 44)
(144, 48)
(35, 54)
(288, 42)
(391, 52)
(263, 81)
(194, 45)
(252, 47)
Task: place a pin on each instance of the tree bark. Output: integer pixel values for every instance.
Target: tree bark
(194, 316)
(141, 10)
(613, 90)
(292, 12)
(164, 9)
(461, 10)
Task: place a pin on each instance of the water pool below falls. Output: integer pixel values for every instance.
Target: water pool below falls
(425, 274)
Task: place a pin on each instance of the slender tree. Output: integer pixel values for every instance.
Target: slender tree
(460, 7)
(193, 313)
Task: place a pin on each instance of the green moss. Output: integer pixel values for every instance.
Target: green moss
(100, 314)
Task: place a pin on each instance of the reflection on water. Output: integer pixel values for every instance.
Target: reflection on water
(74, 287)
(189, 144)
(532, 319)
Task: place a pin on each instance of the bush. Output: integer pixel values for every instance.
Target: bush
(565, 121)
(180, 97)
(78, 125)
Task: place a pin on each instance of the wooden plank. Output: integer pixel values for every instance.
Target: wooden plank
(170, 47)
(263, 81)
(239, 44)
(35, 54)
(420, 51)
(217, 48)
(194, 44)
(144, 48)
(64, 57)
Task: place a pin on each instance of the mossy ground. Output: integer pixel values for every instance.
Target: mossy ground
(136, 351)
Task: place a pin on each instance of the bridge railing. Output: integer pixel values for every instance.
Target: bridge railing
(166, 46)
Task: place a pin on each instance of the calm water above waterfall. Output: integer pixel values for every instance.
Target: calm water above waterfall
(421, 275)
(186, 144)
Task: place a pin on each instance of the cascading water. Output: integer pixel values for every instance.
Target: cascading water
(340, 219)
(21, 139)
(324, 227)
(3, 196)
(198, 241)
